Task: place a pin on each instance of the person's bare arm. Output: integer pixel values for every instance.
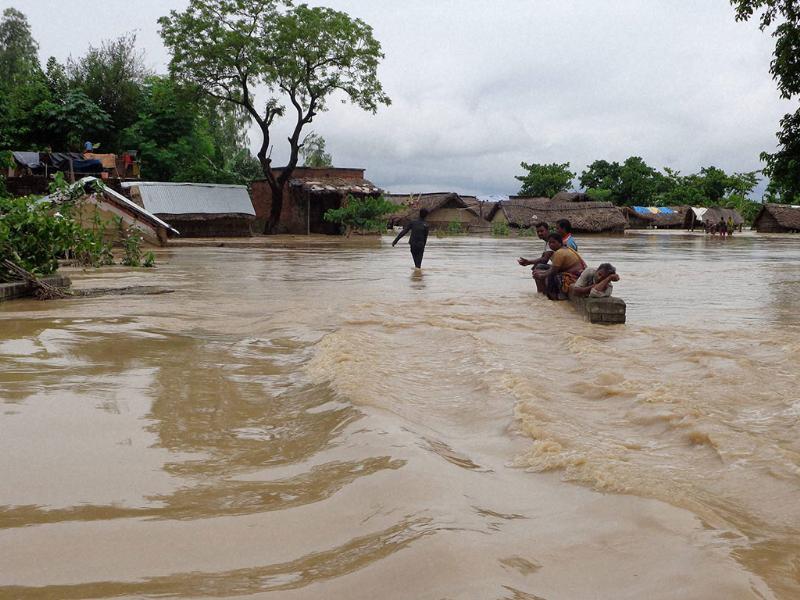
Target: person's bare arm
(601, 285)
(406, 229)
(542, 260)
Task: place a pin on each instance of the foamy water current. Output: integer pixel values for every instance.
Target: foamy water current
(319, 421)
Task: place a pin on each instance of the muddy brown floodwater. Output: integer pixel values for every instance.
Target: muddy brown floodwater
(320, 422)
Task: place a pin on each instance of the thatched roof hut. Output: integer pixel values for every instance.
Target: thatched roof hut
(443, 208)
(585, 217)
(655, 217)
(778, 218)
(697, 216)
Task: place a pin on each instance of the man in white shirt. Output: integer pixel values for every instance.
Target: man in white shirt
(595, 283)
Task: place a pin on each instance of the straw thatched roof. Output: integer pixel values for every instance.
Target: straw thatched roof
(661, 220)
(777, 218)
(410, 204)
(572, 197)
(585, 217)
(339, 185)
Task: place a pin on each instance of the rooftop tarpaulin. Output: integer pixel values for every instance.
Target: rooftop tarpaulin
(29, 160)
(61, 161)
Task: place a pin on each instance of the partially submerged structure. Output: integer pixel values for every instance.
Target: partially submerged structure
(654, 217)
(446, 210)
(30, 173)
(308, 195)
(778, 218)
(585, 217)
(100, 206)
(197, 209)
(702, 217)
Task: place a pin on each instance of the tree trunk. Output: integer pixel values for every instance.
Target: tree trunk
(276, 206)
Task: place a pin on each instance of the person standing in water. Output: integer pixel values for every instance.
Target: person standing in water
(418, 237)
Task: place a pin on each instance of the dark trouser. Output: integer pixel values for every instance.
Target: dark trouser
(417, 252)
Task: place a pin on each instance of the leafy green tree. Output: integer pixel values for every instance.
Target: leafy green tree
(361, 214)
(172, 144)
(69, 120)
(112, 77)
(18, 49)
(181, 136)
(21, 82)
(313, 151)
(298, 54)
(783, 166)
(545, 180)
(633, 182)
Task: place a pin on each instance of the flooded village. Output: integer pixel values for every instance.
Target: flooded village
(239, 359)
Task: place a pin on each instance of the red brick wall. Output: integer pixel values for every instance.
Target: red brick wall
(293, 213)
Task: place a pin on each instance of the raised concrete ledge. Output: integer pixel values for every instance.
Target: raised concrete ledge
(608, 310)
(22, 289)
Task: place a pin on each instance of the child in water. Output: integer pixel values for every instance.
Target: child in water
(418, 237)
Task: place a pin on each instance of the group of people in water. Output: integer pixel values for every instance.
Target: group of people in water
(558, 272)
(723, 228)
(561, 271)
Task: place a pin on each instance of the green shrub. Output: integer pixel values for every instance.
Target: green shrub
(454, 228)
(500, 229)
(35, 237)
(525, 232)
(361, 214)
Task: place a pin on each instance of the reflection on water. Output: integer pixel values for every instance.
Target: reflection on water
(331, 418)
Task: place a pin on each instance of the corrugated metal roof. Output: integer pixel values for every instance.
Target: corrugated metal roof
(190, 198)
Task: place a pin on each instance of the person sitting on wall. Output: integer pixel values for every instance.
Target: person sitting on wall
(564, 227)
(566, 265)
(418, 237)
(539, 264)
(595, 283)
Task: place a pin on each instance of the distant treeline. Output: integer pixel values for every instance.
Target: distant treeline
(109, 97)
(635, 183)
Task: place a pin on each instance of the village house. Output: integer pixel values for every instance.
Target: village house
(654, 217)
(31, 172)
(699, 217)
(197, 209)
(308, 195)
(585, 217)
(778, 218)
(446, 211)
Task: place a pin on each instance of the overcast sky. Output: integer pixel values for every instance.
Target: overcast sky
(479, 86)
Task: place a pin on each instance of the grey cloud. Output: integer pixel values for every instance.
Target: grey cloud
(478, 87)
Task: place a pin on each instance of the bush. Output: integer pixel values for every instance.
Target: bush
(34, 237)
(500, 229)
(361, 214)
(525, 232)
(454, 228)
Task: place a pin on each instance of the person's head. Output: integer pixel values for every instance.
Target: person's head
(542, 230)
(423, 212)
(554, 241)
(603, 271)
(564, 227)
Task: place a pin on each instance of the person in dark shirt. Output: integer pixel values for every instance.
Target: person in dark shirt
(418, 237)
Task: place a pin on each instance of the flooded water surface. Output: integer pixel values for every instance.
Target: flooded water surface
(323, 422)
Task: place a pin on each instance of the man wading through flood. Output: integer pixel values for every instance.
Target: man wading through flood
(418, 237)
